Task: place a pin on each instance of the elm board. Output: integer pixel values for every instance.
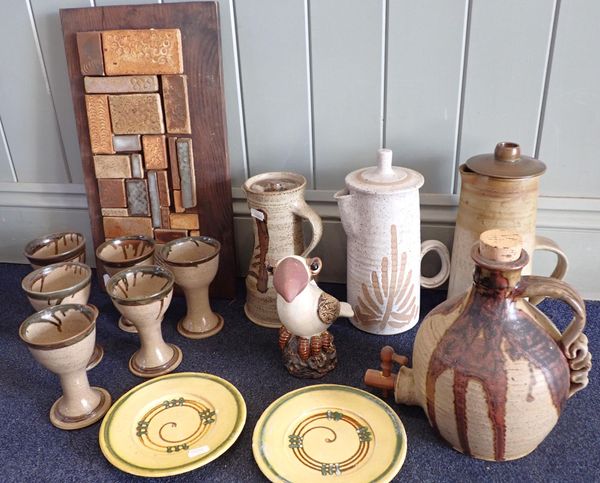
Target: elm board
(198, 23)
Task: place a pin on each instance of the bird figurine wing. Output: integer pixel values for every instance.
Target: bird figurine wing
(328, 309)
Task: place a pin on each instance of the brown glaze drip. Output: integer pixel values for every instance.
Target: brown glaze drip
(489, 329)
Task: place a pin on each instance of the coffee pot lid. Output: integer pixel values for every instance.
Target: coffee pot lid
(384, 178)
(506, 162)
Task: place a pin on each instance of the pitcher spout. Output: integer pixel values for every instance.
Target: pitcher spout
(346, 206)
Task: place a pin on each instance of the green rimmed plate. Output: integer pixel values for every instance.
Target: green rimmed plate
(172, 424)
(329, 433)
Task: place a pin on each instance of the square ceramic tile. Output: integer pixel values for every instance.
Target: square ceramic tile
(112, 193)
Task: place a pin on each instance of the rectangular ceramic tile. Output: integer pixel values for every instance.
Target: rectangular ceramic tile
(154, 199)
(89, 48)
(137, 166)
(175, 182)
(155, 152)
(165, 236)
(185, 159)
(137, 197)
(186, 221)
(165, 220)
(194, 232)
(114, 212)
(112, 193)
(112, 166)
(121, 84)
(136, 114)
(177, 201)
(129, 142)
(116, 226)
(163, 188)
(151, 51)
(175, 96)
(98, 116)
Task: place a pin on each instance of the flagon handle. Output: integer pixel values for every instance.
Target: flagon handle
(302, 210)
(562, 263)
(444, 273)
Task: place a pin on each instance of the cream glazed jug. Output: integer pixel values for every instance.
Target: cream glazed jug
(381, 217)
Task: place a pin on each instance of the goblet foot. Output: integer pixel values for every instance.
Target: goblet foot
(70, 423)
(200, 335)
(127, 326)
(149, 372)
(97, 356)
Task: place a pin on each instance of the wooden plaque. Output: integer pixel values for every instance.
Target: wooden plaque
(129, 58)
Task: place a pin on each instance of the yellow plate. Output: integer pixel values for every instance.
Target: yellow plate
(329, 433)
(172, 424)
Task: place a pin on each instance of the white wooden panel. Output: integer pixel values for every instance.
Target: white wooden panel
(272, 36)
(25, 103)
(424, 72)
(347, 69)
(570, 140)
(233, 101)
(506, 68)
(47, 21)
(6, 168)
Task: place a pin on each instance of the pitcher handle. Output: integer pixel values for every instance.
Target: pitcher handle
(444, 273)
(302, 210)
(573, 342)
(562, 263)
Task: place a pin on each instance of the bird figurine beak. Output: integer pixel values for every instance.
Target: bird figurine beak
(290, 278)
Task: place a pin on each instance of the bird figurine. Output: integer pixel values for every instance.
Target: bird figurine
(306, 313)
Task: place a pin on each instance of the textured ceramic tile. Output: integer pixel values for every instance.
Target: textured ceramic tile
(129, 142)
(163, 188)
(177, 201)
(89, 48)
(137, 166)
(121, 84)
(154, 199)
(194, 232)
(186, 221)
(115, 226)
(136, 114)
(175, 182)
(185, 159)
(175, 97)
(165, 236)
(165, 220)
(112, 193)
(112, 166)
(155, 152)
(137, 197)
(98, 116)
(151, 51)
(114, 212)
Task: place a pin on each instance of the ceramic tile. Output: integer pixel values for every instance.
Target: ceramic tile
(89, 48)
(186, 221)
(163, 188)
(175, 97)
(165, 236)
(137, 197)
(155, 152)
(165, 221)
(136, 114)
(98, 116)
(121, 84)
(130, 142)
(116, 226)
(177, 201)
(151, 51)
(114, 212)
(112, 166)
(194, 232)
(137, 166)
(112, 193)
(154, 199)
(175, 182)
(185, 159)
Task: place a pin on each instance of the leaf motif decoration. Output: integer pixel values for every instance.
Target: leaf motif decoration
(388, 298)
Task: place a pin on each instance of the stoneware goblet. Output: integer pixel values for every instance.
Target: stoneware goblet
(142, 294)
(61, 338)
(194, 262)
(55, 248)
(61, 283)
(125, 252)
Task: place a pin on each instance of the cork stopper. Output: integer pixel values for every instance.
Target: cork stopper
(500, 245)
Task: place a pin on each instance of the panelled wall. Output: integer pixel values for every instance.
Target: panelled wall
(316, 86)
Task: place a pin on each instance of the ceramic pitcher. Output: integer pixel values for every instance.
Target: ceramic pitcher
(498, 190)
(381, 217)
(277, 207)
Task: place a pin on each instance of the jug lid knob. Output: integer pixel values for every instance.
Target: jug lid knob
(507, 151)
(500, 245)
(384, 162)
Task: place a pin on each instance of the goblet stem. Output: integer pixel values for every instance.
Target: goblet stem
(199, 316)
(78, 397)
(153, 351)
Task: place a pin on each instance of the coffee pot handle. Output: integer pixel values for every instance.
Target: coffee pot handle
(562, 263)
(442, 275)
(302, 210)
(573, 342)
